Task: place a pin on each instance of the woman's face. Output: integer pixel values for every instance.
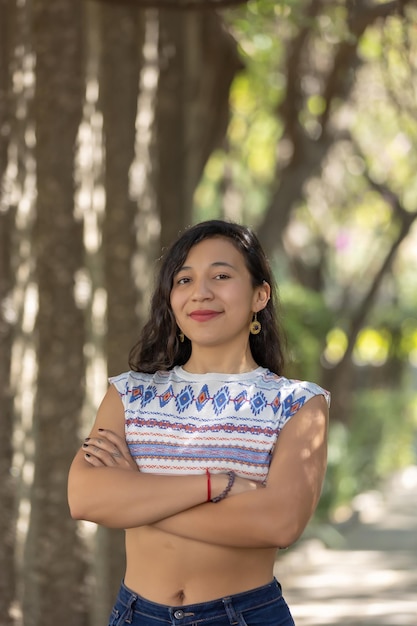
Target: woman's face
(212, 296)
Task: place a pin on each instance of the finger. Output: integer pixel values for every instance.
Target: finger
(97, 444)
(106, 458)
(115, 439)
(111, 449)
(118, 442)
(93, 460)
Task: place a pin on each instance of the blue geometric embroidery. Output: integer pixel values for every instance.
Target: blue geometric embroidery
(276, 403)
(258, 403)
(149, 395)
(291, 406)
(137, 392)
(202, 397)
(240, 399)
(166, 396)
(184, 399)
(221, 399)
(187, 426)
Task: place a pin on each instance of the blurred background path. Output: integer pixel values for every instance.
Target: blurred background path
(363, 572)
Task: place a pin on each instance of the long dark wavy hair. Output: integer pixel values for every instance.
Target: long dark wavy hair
(159, 347)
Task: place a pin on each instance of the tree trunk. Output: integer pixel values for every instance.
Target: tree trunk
(54, 568)
(7, 226)
(7, 482)
(122, 34)
(122, 43)
(198, 61)
(339, 380)
(6, 52)
(308, 153)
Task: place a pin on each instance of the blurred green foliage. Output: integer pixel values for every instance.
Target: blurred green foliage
(307, 320)
(342, 227)
(381, 438)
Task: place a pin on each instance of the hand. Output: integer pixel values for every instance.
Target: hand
(108, 450)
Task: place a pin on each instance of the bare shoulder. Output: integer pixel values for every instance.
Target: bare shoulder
(301, 450)
(313, 415)
(308, 427)
(111, 413)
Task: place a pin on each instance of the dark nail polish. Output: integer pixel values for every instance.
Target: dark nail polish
(87, 439)
(85, 445)
(100, 430)
(88, 455)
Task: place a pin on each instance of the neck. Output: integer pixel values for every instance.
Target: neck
(204, 361)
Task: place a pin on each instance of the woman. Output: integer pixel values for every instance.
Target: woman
(203, 451)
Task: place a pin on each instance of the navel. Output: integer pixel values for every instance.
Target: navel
(179, 596)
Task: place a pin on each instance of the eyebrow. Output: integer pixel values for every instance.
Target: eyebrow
(215, 264)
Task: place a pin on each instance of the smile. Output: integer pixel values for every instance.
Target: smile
(204, 316)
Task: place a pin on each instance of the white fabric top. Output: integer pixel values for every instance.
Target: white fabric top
(183, 423)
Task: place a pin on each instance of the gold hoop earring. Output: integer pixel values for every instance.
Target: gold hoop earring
(181, 337)
(255, 326)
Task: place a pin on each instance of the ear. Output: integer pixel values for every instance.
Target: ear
(261, 297)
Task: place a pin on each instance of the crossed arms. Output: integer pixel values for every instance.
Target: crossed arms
(106, 486)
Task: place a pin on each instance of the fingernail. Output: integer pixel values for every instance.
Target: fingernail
(87, 455)
(100, 430)
(85, 445)
(87, 439)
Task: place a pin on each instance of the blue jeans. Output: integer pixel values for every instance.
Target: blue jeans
(263, 606)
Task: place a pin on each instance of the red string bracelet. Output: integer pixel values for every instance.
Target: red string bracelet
(208, 485)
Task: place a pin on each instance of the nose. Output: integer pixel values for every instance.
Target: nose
(201, 289)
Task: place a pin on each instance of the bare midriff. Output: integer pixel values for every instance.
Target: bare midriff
(171, 570)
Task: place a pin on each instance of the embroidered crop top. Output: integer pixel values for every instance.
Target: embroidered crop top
(183, 423)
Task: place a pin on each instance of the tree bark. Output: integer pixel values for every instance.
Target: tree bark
(122, 38)
(198, 61)
(339, 379)
(6, 52)
(122, 34)
(7, 228)
(308, 153)
(54, 567)
(179, 5)
(7, 482)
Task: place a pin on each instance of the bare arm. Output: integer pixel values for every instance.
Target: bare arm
(106, 487)
(276, 515)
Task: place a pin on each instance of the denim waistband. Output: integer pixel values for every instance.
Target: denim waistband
(186, 614)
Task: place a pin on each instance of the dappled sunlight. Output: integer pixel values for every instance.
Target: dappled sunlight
(309, 131)
(24, 516)
(90, 199)
(372, 347)
(336, 344)
(338, 570)
(369, 578)
(370, 506)
(408, 478)
(349, 587)
(86, 530)
(354, 612)
(147, 221)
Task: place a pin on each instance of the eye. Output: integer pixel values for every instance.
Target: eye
(221, 277)
(183, 281)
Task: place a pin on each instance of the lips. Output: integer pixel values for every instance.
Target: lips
(204, 315)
